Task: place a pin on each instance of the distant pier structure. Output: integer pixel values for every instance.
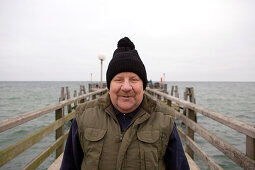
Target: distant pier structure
(96, 86)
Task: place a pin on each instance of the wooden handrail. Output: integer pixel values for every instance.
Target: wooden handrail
(199, 152)
(46, 153)
(70, 101)
(22, 118)
(234, 154)
(14, 150)
(233, 123)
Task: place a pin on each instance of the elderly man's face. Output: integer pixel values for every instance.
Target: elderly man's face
(126, 91)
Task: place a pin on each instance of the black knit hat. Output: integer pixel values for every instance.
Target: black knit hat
(126, 59)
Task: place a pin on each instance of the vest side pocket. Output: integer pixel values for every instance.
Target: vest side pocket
(93, 144)
(148, 148)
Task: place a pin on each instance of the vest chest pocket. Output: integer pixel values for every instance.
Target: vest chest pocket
(93, 134)
(93, 145)
(149, 149)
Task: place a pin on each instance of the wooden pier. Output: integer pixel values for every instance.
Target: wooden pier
(184, 110)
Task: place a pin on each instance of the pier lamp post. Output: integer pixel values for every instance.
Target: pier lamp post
(164, 74)
(101, 58)
(91, 74)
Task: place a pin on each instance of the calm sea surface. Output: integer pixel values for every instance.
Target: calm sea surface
(234, 99)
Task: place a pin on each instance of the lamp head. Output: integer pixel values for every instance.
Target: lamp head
(101, 57)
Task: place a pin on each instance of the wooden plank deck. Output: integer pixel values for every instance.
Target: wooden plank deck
(57, 163)
(192, 164)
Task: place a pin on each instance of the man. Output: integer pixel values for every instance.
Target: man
(124, 129)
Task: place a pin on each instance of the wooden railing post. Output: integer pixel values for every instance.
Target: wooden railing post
(158, 97)
(80, 93)
(60, 131)
(172, 91)
(250, 147)
(68, 96)
(185, 98)
(192, 116)
(176, 92)
(75, 95)
(83, 89)
(165, 88)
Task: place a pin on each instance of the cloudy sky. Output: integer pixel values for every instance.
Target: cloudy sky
(188, 40)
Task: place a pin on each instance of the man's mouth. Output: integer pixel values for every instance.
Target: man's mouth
(126, 95)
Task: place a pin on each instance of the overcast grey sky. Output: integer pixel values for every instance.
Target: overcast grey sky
(189, 40)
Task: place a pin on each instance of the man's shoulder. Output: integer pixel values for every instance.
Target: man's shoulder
(157, 106)
(102, 101)
(88, 104)
(87, 113)
(163, 108)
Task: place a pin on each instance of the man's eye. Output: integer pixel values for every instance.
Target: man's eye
(134, 79)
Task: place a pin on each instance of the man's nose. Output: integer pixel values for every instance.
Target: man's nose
(126, 86)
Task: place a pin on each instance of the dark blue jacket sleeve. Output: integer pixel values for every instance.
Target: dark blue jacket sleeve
(175, 158)
(73, 153)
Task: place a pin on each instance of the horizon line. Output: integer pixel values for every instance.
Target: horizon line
(105, 81)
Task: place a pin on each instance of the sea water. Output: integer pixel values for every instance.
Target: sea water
(234, 99)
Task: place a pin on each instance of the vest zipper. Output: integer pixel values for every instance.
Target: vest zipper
(122, 133)
(121, 136)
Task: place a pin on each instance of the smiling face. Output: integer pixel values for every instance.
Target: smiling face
(126, 91)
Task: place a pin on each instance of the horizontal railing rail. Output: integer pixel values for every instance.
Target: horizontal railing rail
(201, 154)
(23, 118)
(233, 123)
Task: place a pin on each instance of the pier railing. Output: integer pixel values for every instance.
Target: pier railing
(244, 160)
(14, 150)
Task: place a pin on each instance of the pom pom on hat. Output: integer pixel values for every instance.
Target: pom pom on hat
(126, 43)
